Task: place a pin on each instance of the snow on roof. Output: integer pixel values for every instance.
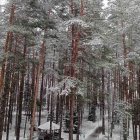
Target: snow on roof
(46, 126)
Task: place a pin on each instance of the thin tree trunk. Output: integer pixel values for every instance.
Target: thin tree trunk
(57, 108)
(61, 114)
(79, 106)
(71, 116)
(103, 104)
(41, 95)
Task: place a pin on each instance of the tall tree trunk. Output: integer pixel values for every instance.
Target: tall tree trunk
(21, 91)
(5, 75)
(125, 80)
(40, 66)
(113, 103)
(12, 89)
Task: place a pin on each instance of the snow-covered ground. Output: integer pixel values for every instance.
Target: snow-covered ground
(87, 129)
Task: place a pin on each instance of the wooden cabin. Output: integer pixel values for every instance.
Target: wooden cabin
(44, 131)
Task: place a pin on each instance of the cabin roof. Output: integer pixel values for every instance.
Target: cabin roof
(46, 126)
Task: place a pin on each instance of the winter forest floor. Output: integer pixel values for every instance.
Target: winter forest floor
(89, 130)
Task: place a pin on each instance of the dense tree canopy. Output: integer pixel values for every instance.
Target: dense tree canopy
(70, 57)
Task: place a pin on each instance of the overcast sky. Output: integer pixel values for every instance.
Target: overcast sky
(105, 2)
(2, 2)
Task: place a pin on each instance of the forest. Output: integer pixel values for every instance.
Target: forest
(69, 70)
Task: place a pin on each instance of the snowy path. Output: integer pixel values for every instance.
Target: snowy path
(94, 134)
